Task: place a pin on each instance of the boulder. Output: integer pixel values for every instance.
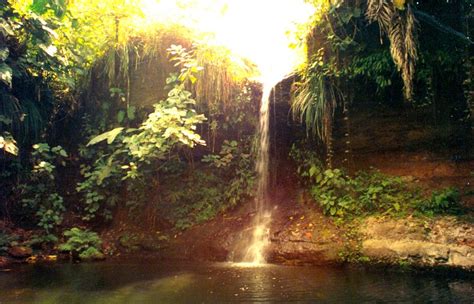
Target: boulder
(20, 252)
(440, 242)
(5, 262)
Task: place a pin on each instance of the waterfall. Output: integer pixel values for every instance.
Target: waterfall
(255, 252)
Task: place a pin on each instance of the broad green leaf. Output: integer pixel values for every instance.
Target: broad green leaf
(120, 116)
(5, 28)
(131, 112)
(4, 52)
(109, 136)
(357, 12)
(6, 74)
(313, 170)
(5, 120)
(103, 174)
(39, 6)
(8, 145)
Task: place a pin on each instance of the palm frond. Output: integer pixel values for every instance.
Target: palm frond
(400, 28)
(314, 104)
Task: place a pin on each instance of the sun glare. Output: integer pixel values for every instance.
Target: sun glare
(254, 29)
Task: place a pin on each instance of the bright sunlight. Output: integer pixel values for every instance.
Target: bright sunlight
(257, 30)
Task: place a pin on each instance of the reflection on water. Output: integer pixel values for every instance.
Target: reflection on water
(168, 282)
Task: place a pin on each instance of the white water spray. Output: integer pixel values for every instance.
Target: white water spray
(255, 253)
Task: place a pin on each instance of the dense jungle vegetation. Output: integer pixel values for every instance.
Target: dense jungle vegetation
(78, 148)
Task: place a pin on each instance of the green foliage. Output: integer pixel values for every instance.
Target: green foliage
(82, 243)
(367, 192)
(375, 66)
(5, 240)
(42, 239)
(194, 200)
(352, 251)
(235, 164)
(316, 96)
(109, 136)
(225, 157)
(134, 155)
(446, 201)
(31, 67)
(8, 143)
(198, 198)
(97, 187)
(39, 192)
(172, 123)
(195, 197)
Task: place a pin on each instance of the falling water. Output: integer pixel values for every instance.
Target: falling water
(255, 252)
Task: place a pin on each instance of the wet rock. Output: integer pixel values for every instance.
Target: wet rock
(441, 242)
(303, 253)
(416, 251)
(462, 256)
(5, 262)
(135, 242)
(97, 256)
(20, 252)
(150, 243)
(129, 242)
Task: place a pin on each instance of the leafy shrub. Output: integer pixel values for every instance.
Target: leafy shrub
(192, 197)
(225, 157)
(446, 201)
(42, 240)
(100, 180)
(84, 244)
(132, 155)
(235, 164)
(39, 192)
(5, 240)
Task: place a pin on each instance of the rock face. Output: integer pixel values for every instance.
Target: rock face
(305, 238)
(301, 235)
(297, 237)
(441, 242)
(20, 252)
(433, 155)
(303, 253)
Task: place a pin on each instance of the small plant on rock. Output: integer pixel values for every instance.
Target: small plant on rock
(446, 201)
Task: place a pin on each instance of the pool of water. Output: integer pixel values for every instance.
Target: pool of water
(172, 282)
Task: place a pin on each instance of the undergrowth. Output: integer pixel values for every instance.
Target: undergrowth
(369, 192)
(197, 195)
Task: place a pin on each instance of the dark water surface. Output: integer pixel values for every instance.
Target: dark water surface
(171, 282)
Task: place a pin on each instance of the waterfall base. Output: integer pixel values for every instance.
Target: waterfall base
(259, 240)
